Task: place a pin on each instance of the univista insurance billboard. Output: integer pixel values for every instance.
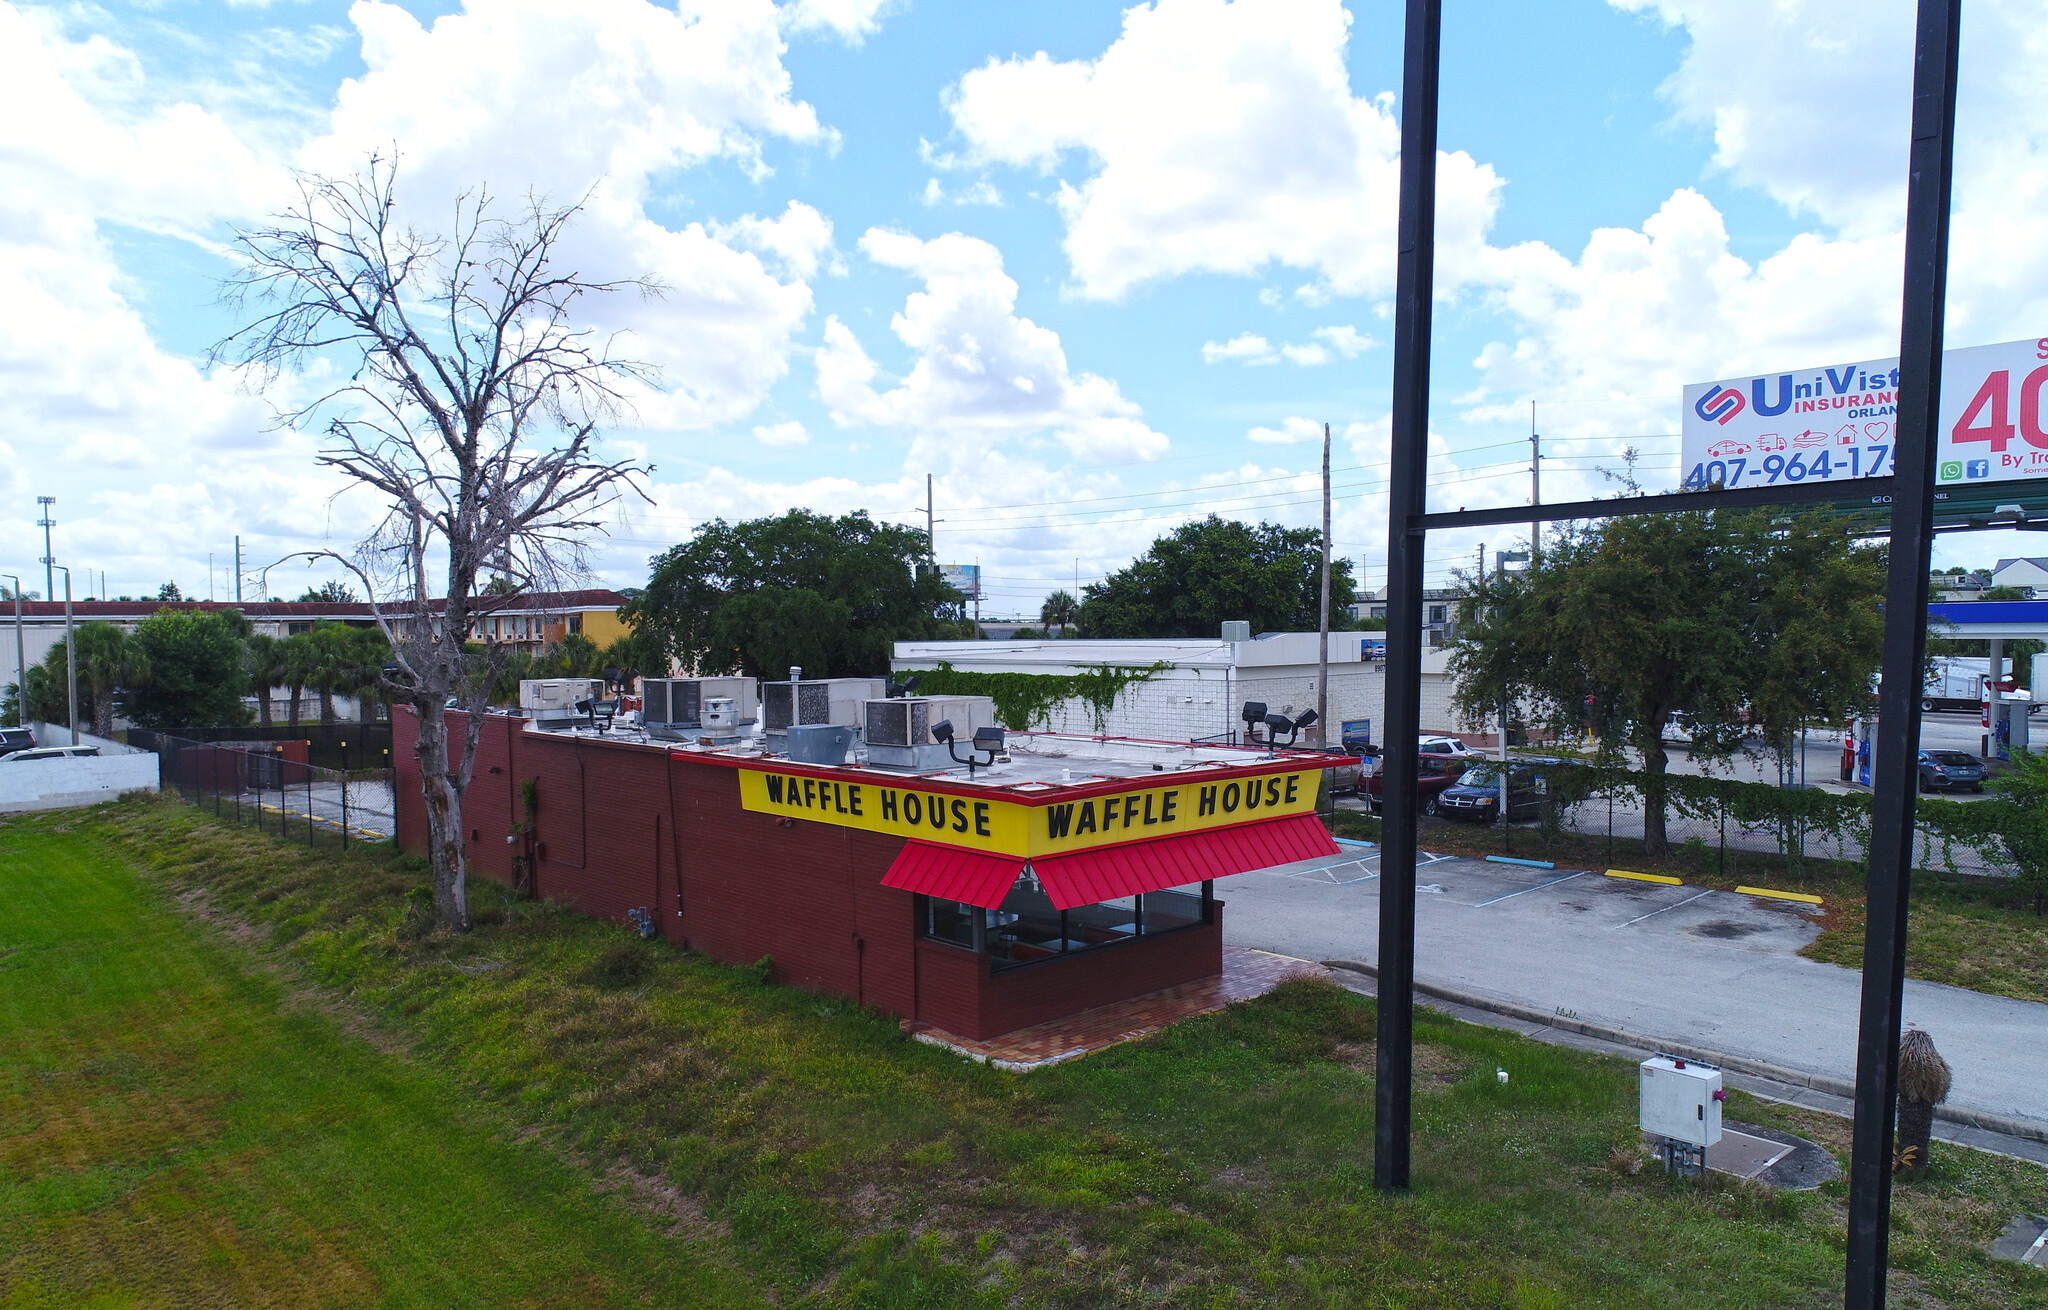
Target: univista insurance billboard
(1835, 423)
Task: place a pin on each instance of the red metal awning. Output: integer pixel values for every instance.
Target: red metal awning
(953, 874)
(1086, 877)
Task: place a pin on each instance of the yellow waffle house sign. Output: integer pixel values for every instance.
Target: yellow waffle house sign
(1000, 825)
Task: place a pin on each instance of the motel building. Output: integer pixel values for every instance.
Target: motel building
(1061, 873)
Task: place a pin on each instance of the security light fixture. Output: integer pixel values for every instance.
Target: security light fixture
(1254, 713)
(988, 741)
(898, 690)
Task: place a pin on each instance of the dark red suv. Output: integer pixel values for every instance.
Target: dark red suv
(1433, 773)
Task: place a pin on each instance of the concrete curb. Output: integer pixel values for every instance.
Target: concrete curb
(1996, 1123)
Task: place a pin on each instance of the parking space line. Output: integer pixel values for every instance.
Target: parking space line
(1654, 913)
(1526, 890)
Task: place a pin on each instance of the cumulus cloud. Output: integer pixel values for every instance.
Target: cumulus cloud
(1244, 348)
(1292, 430)
(854, 21)
(1252, 349)
(980, 370)
(788, 433)
(593, 103)
(1220, 136)
(1808, 102)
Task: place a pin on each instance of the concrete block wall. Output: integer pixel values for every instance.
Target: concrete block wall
(66, 783)
(1181, 705)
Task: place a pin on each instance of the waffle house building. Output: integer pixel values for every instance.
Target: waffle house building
(1068, 873)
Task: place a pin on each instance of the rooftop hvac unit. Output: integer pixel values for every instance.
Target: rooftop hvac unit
(899, 732)
(553, 700)
(825, 700)
(681, 703)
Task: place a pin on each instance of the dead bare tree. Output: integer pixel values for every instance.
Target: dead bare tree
(472, 406)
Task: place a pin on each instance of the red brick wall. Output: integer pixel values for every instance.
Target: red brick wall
(620, 826)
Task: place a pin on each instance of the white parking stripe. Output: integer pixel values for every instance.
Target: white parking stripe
(1654, 913)
(1526, 890)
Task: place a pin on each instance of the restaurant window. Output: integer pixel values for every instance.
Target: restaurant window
(1026, 928)
(949, 921)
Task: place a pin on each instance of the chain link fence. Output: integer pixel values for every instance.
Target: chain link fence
(1717, 823)
(260, 783)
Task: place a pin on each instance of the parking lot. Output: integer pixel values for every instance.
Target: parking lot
(1711, 968)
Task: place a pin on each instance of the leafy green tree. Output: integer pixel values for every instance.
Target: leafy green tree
(1060, 608)
(108, 658)
(331, 592)
(832, 595)
(2018, 812)
(169, 591)
(196, 675)
(48, 697)
(1724, 619)
(1203, 574)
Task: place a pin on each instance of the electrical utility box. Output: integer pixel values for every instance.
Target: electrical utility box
(1681, 1100)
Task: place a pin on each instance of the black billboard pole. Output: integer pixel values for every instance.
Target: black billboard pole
(1413, 286)
(1905, 648)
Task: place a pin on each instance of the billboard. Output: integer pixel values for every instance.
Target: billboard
(1835, 423)
(963, 578)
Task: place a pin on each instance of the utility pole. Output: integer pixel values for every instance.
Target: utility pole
(1535, 488)
(238, 569)
(930, 548)
(49, 559)
(1323, 661)
(70, 659)
(20, 660)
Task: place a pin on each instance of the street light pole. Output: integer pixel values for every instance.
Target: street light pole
(20, 660)
(70, 657)
(46, 522)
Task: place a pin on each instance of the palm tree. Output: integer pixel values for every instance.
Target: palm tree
(368, 653)
(1060, 608)
(108, 658)
(263, 661)
(332, 657)
(298, 662)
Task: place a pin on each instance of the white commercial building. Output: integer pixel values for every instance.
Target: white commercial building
(1204, 683)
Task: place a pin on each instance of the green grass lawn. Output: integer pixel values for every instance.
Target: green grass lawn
(240, 1073)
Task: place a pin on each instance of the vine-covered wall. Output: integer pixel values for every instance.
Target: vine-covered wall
(1027, 700)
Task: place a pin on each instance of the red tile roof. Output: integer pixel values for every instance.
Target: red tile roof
(595, 598)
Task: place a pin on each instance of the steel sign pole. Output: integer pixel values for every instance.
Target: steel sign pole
(1905, 648)
(1414, 274)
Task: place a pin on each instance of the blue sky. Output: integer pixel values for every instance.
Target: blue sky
(1096, 271)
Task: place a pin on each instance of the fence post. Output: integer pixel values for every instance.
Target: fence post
(344, 801)
(309, 808)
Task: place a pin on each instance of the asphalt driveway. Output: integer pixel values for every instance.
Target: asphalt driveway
(1714, 969)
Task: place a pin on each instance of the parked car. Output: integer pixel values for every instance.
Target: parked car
(1446, 746)
(16, 739)
(48, 753)
(1948, 770)
(1475, 795)
(1344, 772)
(1434, 771)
